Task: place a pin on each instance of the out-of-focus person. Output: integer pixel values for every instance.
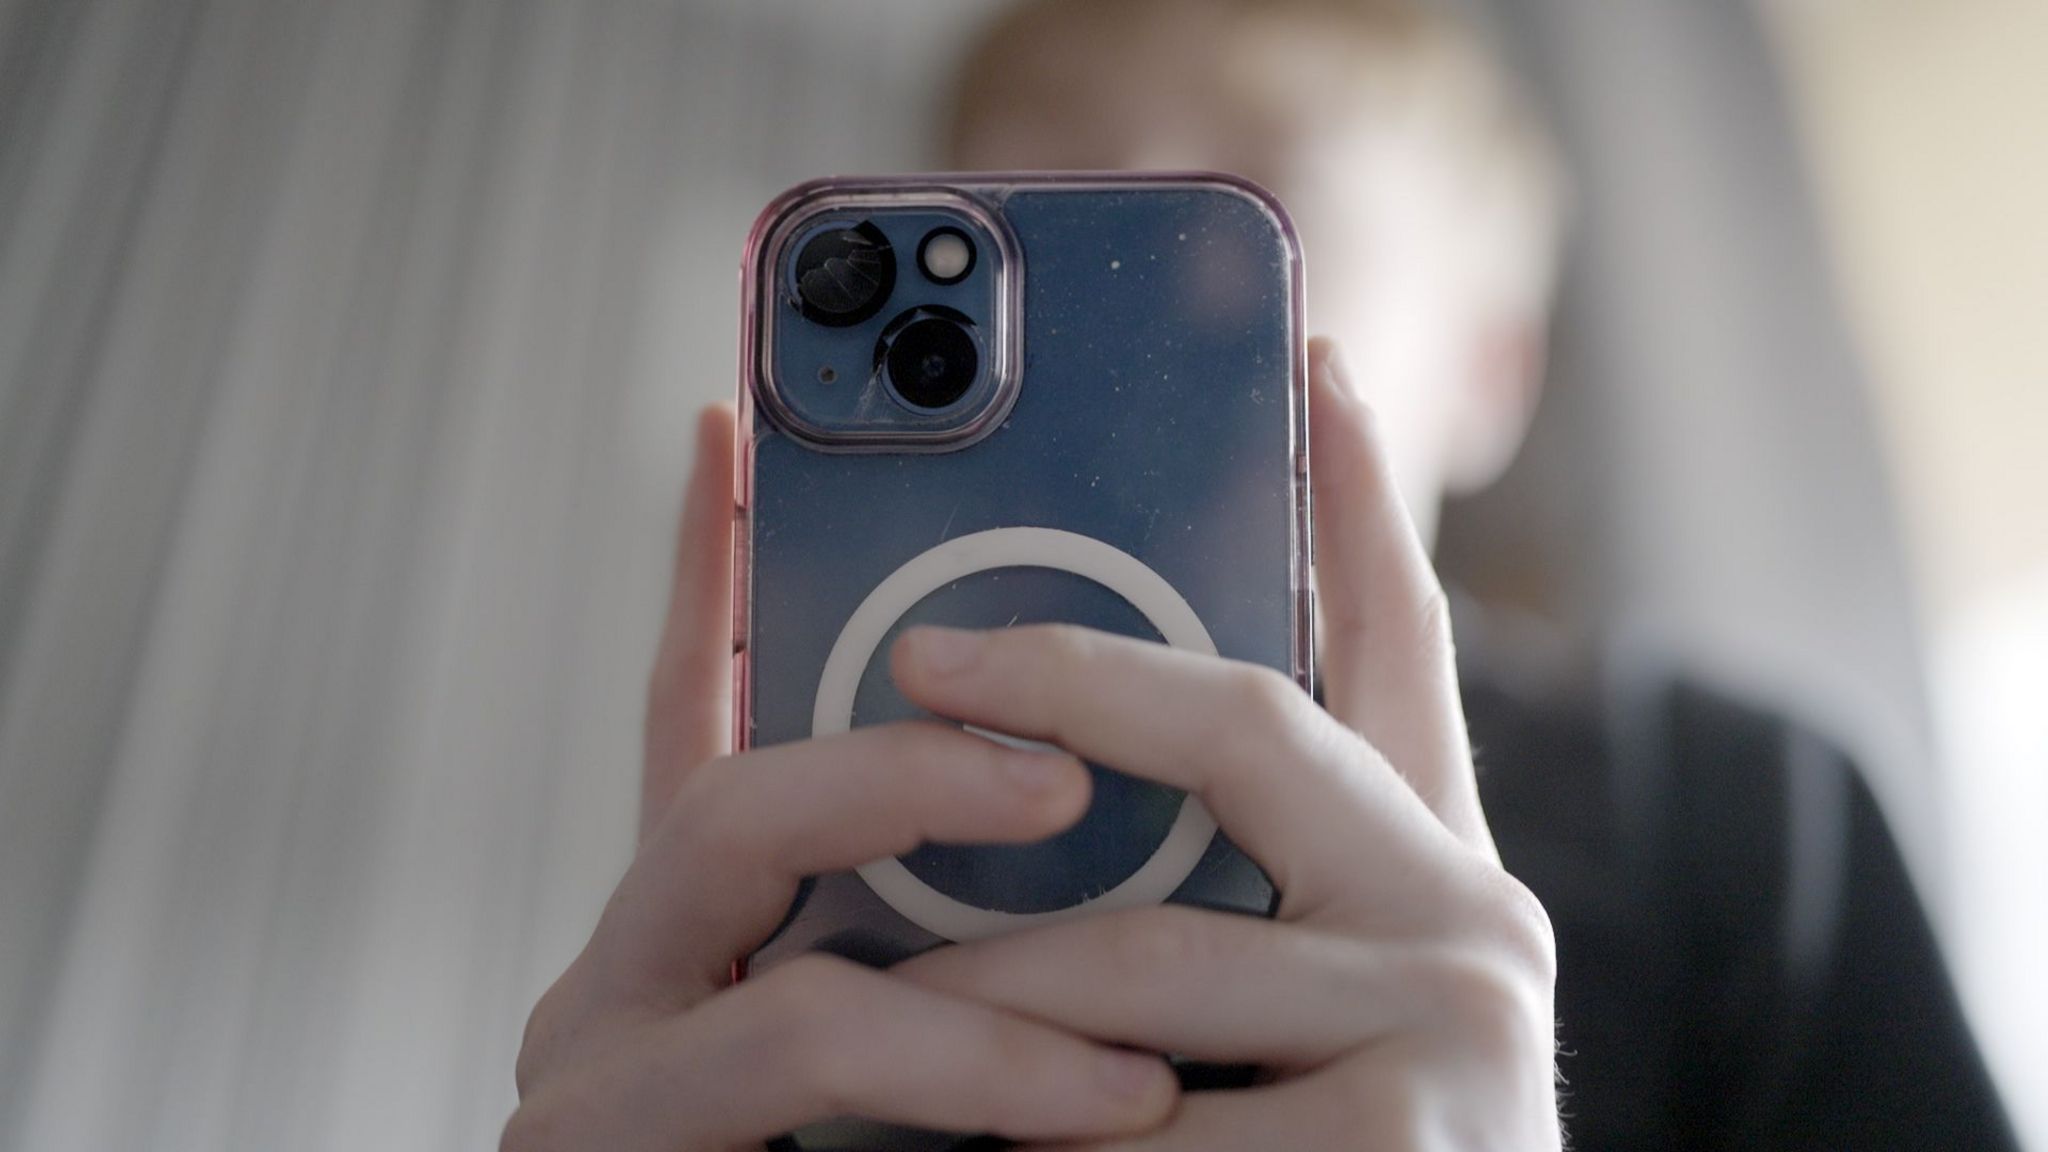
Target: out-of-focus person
(1743, 962)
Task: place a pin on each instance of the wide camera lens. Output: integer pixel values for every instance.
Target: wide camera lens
(930, 356)
(844, 275)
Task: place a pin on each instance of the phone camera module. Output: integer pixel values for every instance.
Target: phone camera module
(930, 357)
(844, 275)
(946, 255)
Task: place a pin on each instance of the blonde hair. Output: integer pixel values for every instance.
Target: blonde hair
(1412, 61)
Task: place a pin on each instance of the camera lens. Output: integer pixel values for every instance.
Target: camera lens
(844, 275)
(930, 356)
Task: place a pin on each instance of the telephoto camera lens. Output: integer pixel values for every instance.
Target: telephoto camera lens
(844, 275)
(930, 356)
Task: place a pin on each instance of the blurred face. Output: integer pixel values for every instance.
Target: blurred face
(1292, 106)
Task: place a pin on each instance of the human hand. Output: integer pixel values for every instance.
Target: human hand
(643, 1043)
(1401, 999)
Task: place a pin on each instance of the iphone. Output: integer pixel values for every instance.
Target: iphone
(996, 400)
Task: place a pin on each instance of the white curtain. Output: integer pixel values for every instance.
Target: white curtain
(349, 355)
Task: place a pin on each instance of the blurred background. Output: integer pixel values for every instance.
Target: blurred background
(348, 360)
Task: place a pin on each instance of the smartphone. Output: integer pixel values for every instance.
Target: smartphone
(994, 400)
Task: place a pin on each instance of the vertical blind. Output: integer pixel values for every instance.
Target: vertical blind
(350, 354)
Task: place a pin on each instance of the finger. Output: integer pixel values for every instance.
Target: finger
(719, 873)
(820, 1038)
(1387, 663)
(689, 695)
(1324, 1113)
(1207, 985)
(1308, 800)
(1399, 1095)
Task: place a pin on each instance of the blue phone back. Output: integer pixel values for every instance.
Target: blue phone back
(1159, 411)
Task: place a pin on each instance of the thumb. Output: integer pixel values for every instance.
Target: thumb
(1388, 668)
(689, 694)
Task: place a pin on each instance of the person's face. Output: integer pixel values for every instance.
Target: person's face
(1374, 201)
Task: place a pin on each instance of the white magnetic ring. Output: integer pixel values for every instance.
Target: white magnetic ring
(929, 571)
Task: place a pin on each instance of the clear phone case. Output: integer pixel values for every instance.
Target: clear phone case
(1147, 476)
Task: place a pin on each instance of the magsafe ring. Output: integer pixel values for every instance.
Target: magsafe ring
(1091, 559)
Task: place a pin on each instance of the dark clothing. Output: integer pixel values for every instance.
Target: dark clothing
(1743, 963)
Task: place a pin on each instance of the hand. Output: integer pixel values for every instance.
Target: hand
(641, 1044)
(1402, 997)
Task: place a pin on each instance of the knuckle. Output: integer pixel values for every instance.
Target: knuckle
(519, 1134)
(558, 1022)
(1065, 645)
(809, 990)
(1270, 698)
(1494, 1008)
(535, 1127)
(1476, 987)
(809, 1000)
(1071, 638)
(1047, 682)
(1520, 925)
(1533, 930)
(535, 1042)
(1258, 709)
(1433, 623)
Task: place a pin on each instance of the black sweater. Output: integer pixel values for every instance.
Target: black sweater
(1742, 960)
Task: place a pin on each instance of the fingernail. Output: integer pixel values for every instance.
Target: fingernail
(1131, 1075)
(945, 651)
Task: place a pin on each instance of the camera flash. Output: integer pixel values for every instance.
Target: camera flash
(946, 255)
